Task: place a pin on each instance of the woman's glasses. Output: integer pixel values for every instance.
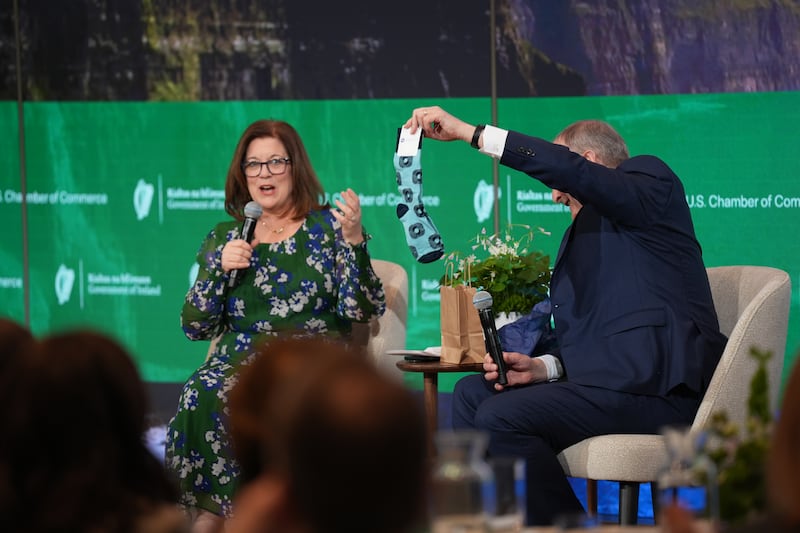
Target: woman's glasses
(252, 169)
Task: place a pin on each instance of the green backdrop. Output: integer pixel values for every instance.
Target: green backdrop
(120, 196)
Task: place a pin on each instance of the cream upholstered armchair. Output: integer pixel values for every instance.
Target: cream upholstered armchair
(752, 304)
(389, 331)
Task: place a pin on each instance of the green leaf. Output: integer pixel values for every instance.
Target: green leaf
(740, 456)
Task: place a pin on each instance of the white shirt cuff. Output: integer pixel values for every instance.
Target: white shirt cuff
(494, 141)
(553, 366)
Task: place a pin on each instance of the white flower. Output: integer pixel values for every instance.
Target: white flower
(219, 466)
(278, 307)
(502, 257)
(238, 308)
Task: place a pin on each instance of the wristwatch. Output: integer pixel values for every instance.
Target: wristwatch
(477, 135)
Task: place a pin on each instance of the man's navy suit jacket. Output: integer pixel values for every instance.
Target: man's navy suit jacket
(631, 300)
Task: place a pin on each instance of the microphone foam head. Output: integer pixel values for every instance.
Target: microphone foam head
(252, 210)
(482, 300)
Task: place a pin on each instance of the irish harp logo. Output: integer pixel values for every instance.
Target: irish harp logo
(65, 279)
(142, 199)
(483, 200)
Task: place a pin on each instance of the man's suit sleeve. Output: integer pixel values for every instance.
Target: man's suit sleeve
(635, 194)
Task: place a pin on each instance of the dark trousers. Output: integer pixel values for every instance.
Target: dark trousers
(536, 422)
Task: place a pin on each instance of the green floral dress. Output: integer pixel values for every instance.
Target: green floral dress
(313, 283)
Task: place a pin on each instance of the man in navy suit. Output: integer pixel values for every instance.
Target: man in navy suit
(638, 337)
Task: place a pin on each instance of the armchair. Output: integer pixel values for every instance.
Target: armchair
(389, 331)
(752, 304)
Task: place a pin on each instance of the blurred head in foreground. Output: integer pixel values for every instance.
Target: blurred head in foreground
(783, 461)
(326, 443)
(77, 460)
(15, 340)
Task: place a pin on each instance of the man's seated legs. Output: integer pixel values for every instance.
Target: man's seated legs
(538, 421)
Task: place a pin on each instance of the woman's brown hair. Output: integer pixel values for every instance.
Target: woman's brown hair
(307, 192)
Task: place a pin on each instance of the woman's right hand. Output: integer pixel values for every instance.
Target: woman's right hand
(237, 253)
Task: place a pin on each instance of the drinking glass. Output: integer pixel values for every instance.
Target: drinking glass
(505, 495)
(461, 478)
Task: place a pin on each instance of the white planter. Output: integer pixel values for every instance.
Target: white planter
(505, 318)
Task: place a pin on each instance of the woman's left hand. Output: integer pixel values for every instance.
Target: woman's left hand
(348, 213)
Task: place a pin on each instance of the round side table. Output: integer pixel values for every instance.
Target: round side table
(430, 384)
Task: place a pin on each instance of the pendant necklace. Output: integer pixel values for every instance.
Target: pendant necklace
(275, 231)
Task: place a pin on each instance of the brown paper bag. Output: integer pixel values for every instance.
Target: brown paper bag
(462, 334)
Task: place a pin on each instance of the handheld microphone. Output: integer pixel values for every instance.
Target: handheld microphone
(252, 211)
(483, 303)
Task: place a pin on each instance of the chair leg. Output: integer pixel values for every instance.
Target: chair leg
(591, 497)
(655, 497)
(628, 503)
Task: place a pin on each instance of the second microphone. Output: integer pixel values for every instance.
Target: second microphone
(483, 303)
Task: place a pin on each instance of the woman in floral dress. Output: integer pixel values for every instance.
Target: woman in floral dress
(306, 272)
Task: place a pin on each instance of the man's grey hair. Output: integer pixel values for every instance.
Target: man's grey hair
(597, 136)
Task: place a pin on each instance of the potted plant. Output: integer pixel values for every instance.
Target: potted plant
(503, 265)
(740, 452)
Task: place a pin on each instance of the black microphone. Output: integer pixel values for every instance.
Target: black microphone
(252, 211)
(483, 303)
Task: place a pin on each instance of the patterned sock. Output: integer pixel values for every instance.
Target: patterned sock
(421, 235)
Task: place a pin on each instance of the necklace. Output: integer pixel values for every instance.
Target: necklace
(275, 231)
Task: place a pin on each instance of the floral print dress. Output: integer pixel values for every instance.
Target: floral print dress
(312, 283)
